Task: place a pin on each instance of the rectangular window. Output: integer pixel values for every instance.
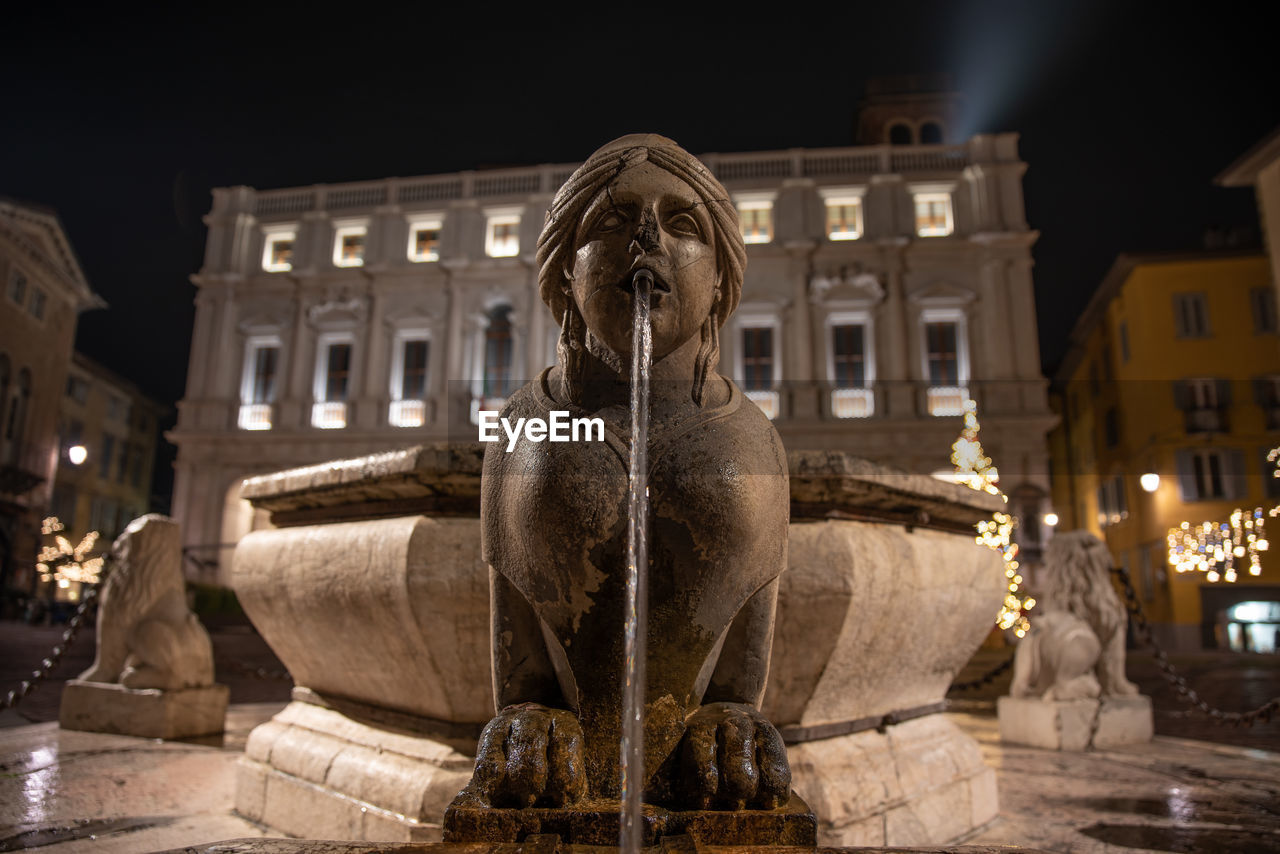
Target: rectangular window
(64, 503)
(1111, 427)
(332, 382)
(277, 251)
(1204, 400)
(1270, 482)
(756, 219)
(848, 354)
(424, 240)
(757, 358)
(135, 470)
(1146, 573)
(1191, 315)
(1124, 343)
(258, 383)
(77, 388)
(409, 380)
(108, 453)
(348, 245)
(1210, 473)
(38, 300)
(844, 218)
(1112, 504)
(502, 235)
(18, 287)
(337, 372)
(122, 462)
(942, 353)
(1263, 303)
(933, 214)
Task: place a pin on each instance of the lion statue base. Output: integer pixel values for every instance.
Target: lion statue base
(152, 675)
(1069, 691)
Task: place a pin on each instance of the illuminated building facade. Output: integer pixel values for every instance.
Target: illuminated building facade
(886, 283)
(1174, 371)
(44, 292)
(117, 426)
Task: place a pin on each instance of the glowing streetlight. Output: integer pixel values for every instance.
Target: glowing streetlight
(77, 454)
(1150, 481)
(1051, 519)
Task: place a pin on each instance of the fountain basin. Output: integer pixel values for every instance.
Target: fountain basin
(372, 592)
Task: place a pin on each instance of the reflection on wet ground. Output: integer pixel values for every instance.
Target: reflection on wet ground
(85, 828)
(1192, 840)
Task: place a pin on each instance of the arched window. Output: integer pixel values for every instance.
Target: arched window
(931, 133)
(900, 134)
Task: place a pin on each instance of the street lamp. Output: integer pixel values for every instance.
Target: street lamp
(1150, 481)
(1051, 519)
(77, 454)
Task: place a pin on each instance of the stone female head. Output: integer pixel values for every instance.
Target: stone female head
(640, 201)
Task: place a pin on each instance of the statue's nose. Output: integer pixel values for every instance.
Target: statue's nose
(646, 236)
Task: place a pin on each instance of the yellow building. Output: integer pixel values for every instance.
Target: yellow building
(1173, 370)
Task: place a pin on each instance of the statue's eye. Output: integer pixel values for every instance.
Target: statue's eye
(683, 223)
(611, 221)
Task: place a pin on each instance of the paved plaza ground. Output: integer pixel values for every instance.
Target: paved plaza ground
(1196, 788)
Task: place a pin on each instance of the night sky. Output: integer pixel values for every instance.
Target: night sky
(123, 123)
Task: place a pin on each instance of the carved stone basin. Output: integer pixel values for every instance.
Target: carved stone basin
(372, 592)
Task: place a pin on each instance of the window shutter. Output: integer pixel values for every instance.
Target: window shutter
(1235, 484)
(1224, 393)
(1182, 395)
(1186, 476)
(1262, 391)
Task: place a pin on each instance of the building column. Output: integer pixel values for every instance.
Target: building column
(374, 397)
(805, 401)
(900, 393)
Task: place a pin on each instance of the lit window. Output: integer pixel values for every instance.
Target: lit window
(933, 214)
(1112, 506)
(502, 234)
(946, 364)
(844, 219)
(258, 383)
(18, 287)
(755, 215)
(758, 366)
(37, 304)
(332, 382)
(409, 379)
(277, 251)
(348, 245)
(499, 352)
(1191, 315)
(851, 368)
(424, 239)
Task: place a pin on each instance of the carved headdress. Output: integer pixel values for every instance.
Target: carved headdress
(556, 245)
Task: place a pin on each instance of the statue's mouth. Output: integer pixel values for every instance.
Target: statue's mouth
(660, 285)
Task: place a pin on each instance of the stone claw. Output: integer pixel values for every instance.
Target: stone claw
(732, 758)
(529, 755)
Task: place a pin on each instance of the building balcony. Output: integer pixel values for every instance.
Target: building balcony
(1206, 421)
(945, 400)
(853, 403)
(254, 416)
(407, 413)
(329, 415)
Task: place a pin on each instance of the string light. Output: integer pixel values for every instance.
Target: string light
(1215, 547)
(63, 563)
(975, 470)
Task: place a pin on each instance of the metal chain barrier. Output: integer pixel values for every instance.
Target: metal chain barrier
(262, 672)
(50, 664)
(1184, 692)
(985, 679)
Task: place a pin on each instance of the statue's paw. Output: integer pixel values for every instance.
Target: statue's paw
(732, 758)
(530, 755)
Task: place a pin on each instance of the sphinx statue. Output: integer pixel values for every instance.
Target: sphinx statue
(1069, 691)
(554, 515)
(153, 672)
(1075, 649)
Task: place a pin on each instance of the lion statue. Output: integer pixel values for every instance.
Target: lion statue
(147, 637)
(1075, 649)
